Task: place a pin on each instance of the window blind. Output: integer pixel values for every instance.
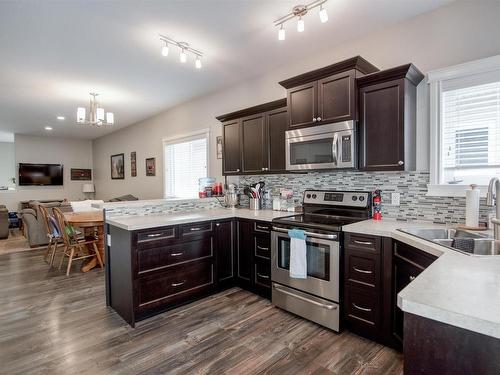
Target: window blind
(470, 132)
(185, 164)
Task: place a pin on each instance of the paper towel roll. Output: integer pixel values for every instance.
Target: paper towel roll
(472, 206)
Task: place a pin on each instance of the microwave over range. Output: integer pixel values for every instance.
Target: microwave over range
(329, 146)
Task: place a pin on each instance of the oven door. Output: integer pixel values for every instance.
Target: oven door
(323, 258)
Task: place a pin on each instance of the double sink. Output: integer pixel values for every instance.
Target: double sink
(470, 243)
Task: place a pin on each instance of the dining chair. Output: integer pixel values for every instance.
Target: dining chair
(76, 247)
(53, 234)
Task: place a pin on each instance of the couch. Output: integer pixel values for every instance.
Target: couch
(33, 225)
(4, 222)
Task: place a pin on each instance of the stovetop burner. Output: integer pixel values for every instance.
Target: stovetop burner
(330, 210)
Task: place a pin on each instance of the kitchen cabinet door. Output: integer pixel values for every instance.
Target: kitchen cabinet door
(231, 160)
(277, 124)
(302, 104)
(224, 251)
(336, 97)
(254, 142)
(244, 254)
(382, 126)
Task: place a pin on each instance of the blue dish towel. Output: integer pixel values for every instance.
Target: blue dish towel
(298, 254)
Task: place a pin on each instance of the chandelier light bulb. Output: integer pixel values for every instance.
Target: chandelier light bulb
(300, 25)
(281, 33)
(323, 16)
(197, 62)
(100, 114)
(80, 114)
(164, 50)
(183, 56)
(110, 118)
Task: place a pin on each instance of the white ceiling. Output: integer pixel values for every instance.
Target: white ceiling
(53, 53)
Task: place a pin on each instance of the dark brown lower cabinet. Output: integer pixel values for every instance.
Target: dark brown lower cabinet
(376, 269)
(432, 347)
(154, 270)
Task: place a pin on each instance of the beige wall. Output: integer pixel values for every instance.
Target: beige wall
(72, 153)
(460, 32)
(7, 163)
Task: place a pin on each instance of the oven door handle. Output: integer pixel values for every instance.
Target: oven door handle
(310, 234)
(328, 307)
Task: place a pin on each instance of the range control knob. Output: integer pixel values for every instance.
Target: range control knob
(314, 196)
(361, 198)
(354, 198)
(308, 196)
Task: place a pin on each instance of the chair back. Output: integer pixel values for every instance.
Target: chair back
(67, 239)
(45, 218)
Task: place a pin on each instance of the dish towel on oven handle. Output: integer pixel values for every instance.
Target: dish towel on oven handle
(298, 254)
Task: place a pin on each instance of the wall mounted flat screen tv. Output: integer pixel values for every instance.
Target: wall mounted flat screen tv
(40, 174)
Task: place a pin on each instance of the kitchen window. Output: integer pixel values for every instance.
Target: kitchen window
(185, 162)
(465, 126)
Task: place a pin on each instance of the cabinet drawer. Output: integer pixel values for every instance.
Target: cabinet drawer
(364, 242)
(155, 290)
(362, 306)
(154, 259)
(152, 236)
(263, 273)
(362, 269)
(195, 229)
(262, 247)
(261, 227)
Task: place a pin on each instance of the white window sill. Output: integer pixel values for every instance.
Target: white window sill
(453, 190)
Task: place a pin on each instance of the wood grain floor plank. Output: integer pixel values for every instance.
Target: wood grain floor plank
(53, 324)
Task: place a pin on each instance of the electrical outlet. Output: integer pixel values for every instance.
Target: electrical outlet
(395, 199)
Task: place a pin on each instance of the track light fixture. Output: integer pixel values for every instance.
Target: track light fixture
(300, 11)
(184, 50)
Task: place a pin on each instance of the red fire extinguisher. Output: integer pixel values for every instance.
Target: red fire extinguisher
(377, 204)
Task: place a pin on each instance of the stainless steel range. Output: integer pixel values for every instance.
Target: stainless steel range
(317, 297)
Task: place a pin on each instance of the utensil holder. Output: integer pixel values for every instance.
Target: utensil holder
(255, 204)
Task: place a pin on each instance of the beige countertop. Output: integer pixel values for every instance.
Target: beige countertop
(137, 222)
(456, 289)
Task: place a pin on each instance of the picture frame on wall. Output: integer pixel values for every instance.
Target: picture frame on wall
(118, 167)
(133, 164)
(151, 167)
(80, 174)
(219, 147)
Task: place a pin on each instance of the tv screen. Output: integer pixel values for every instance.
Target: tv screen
(40, 174)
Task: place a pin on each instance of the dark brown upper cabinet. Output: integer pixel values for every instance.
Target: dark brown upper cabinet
(325, 95)
(387, 110)
(231, 162)
(258, 144)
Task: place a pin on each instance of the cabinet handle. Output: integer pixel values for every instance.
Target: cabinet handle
(363, 242)
(362, 271)
(314, 119)
(262, 228)
(412, 278)
(178, 284)
(262, 276)
(262, 248)
(154, 235)
(238, 170)
(194, 229)
(319, 118)
(176, 254)
(361, 308)
(217, 224)
(401, 162)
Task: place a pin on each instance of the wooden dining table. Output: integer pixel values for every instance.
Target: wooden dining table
(90, 222)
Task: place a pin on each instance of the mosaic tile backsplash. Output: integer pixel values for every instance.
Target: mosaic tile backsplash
(412, 186)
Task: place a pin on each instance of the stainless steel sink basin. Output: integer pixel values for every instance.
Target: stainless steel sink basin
(471, 243)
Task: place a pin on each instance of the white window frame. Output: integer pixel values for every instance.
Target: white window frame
(435, 79)
(179, 139)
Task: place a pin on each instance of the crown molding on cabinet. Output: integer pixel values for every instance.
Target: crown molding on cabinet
(408, 71)
(280, 103)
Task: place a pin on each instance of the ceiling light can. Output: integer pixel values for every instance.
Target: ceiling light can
(300, 25)
(281, 33)
(183, 56)
(323, 16)
(197, 62)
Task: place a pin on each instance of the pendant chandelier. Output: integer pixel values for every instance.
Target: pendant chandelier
(96, 116)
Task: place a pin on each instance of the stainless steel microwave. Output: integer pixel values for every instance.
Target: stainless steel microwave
(327, 146)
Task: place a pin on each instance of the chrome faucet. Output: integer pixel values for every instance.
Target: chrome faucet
(492, 200)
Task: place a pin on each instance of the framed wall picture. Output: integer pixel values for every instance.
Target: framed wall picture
(79, 174)
(133, 164)
(151, 167)
(219, 147)
(118, 167)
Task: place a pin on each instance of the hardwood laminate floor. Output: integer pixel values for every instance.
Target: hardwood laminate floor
(53, 324)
